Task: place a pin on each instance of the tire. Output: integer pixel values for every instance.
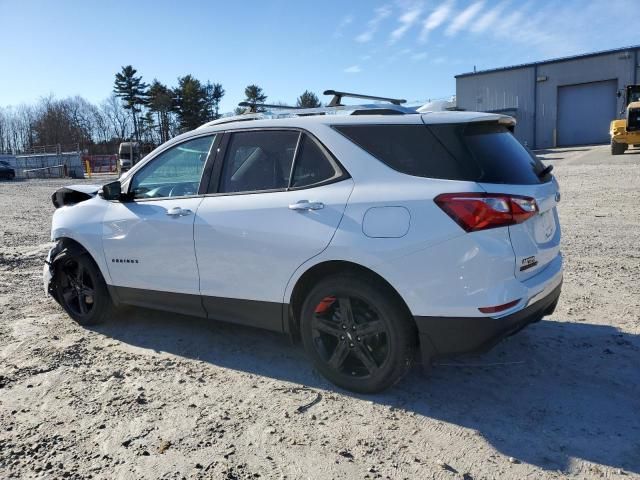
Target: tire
(618, 148)
(80, 288)
(342, 347)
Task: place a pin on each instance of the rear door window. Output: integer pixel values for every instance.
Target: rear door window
(312, 166)
(479, 152)
(258, 160)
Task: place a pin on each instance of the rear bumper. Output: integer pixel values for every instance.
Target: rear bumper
(443, 336)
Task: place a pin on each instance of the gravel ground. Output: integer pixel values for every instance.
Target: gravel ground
(152, 395)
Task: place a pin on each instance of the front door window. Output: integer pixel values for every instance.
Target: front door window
(175, 172)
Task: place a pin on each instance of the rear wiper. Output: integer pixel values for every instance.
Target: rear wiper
(545, 171)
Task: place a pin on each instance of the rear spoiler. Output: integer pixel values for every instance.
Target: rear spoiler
(507, 121)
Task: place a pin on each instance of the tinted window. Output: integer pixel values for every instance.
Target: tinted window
(410, 149)
(312, 166)
(258, 161)
(494, 150)
(480, 152)
(175, 172)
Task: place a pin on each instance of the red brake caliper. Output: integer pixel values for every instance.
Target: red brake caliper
(325, 304)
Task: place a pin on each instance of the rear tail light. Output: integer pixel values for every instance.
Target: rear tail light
(481, 211)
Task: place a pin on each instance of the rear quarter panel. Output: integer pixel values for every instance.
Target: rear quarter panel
(436, 267)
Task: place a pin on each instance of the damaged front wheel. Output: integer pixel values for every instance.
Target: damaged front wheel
(80, 288)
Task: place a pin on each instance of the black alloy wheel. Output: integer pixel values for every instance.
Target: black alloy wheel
(349, 336)
(357, 332)
(77, 289)
(80, 288)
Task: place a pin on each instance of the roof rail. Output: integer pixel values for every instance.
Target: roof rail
(369, 109)
(253, 107)
(337, 98)
(233, 118)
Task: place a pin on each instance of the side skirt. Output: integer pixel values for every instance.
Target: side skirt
(253, 313)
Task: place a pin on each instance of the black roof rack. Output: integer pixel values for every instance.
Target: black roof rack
(254, 108)
(337, 98)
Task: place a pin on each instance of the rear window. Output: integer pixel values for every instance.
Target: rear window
(478, 152)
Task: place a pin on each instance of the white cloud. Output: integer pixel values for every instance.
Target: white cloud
(419, 56)
(488, 19)
(437, 17)
(353, 69)
(345, 22)
(463, 18)
(380, 14)
(406, 20)
(509, 22)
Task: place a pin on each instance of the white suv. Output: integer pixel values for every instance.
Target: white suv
(370, 234)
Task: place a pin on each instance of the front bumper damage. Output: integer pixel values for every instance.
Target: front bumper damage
(48, 272)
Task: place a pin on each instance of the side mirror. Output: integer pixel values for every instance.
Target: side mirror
(112, 191)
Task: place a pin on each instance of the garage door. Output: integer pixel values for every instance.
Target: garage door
(585, 111)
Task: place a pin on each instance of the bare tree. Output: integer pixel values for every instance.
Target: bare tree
(117, 117)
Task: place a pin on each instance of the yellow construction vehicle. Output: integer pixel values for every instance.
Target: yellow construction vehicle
(626, 131)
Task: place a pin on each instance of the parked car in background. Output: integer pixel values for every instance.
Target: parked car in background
(6, 170)
(369, 235)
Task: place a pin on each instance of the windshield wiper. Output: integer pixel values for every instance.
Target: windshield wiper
(545, 171)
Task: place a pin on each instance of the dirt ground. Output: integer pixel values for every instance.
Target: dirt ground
(152, 395)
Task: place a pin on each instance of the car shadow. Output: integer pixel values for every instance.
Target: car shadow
(556, 391)
(546, 151)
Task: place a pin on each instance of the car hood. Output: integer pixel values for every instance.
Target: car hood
(72, 194)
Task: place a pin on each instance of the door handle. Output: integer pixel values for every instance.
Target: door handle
(303, 205)
(178, 212)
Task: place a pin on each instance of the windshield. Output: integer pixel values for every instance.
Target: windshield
(633, 94)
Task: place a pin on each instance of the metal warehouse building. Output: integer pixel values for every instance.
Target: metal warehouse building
(560, 102)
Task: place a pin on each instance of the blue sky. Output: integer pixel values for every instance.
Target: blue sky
(411, 49)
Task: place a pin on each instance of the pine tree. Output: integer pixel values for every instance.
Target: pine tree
(160, 101)
(217, 93)
(214, 94)
(254, 95)
(308, 100)
(133, 91)
(191, 103)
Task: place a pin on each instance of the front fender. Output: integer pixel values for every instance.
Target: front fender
(82, 223)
